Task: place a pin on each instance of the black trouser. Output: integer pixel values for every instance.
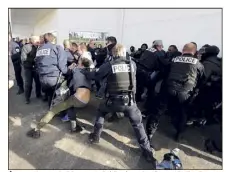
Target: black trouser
(150, 103)
(18, 76)
(204, 102)
(30, 75)
(48, 86)
(134, 115)
(141, 77)
(177, 106)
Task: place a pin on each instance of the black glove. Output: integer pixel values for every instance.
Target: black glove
(88, 74)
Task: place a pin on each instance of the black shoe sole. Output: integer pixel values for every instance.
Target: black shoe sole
(93, 141)
(33, 134)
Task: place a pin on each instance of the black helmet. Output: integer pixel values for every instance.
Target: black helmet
(212, 50)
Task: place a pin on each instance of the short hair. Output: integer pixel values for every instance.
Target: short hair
(194, 44)
(49, 37)
(85, 62)
(190, 47)
(174, 46)
(67, 43)
(34, 39)
(112, 39)
(145, 45)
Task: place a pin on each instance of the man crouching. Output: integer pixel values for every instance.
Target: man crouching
(80, 95)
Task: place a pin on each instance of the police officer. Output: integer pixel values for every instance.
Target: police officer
(210, 92)
(105, 54)
(121, 86)
(15, 52)
(159, 71)
(28, 55)
(185, 74)
(51, 61)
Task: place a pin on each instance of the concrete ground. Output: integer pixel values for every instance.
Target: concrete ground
(118, 149)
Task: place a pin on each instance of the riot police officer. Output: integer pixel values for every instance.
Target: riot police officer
(210, 92)
(15, 52)
(185, 75)
(121, 86)
(50, 61)
(28, 55)
(104, 54)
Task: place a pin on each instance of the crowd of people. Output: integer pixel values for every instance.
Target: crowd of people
(190, 90)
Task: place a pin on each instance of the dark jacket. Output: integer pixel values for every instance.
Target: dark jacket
(15, 51)
(51, 60)
(185, 73)
(28, 55)
(79, 80)
(212, 65)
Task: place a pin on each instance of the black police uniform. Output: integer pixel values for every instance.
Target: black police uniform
(211, 90)
(16, 60)
(145, 65)
(160, 70)
(28, 55)
(121, 89)
(50, 62)
(185, 75)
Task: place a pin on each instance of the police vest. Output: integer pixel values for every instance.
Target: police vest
(121, 80)
(183, 72)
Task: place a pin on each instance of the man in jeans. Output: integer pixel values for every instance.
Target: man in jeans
(28, 55)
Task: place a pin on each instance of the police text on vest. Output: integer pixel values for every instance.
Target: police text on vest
(182, 59)
(43, 52)
(120, 68)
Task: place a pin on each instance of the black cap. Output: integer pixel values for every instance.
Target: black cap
(112, 39)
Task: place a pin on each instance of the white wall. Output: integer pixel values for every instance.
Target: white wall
(50, 23)
(96, 20)
(22, 31)
(137, 26)
(173, 26)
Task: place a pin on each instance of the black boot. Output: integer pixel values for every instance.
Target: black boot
(75, 127)
(149, 156)
(94, 138)
(179, 137)
(39, 96)
(45, 98)
(34, 133)
(20, 91)
(27, 101)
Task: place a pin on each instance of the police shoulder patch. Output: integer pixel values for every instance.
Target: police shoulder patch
(182, 59)
(17, 49)
(43, 52)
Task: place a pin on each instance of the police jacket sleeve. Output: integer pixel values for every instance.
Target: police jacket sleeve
(62, 60)
(15, 52)
(201, 76)
(208, 70)
(103, 71)
(25, 51)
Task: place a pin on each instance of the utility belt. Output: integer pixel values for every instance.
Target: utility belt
(121, 100)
